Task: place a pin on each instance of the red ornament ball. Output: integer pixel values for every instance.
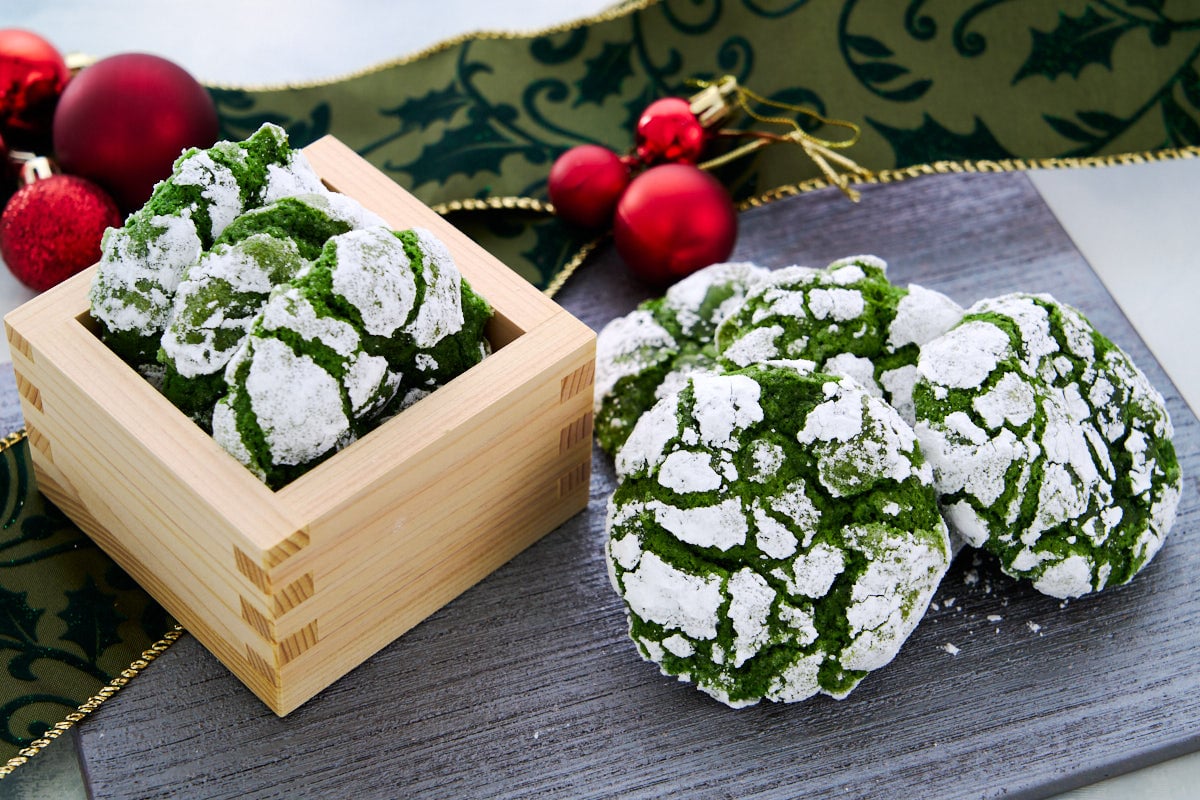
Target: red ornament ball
(124, 120)
(673, 220)
(585, 184)
(32, 76)
(669, 131)
(52, 228)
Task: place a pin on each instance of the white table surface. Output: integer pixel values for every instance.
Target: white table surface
(1134, 224)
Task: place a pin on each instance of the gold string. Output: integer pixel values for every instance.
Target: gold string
(820, 151)
(134, 669)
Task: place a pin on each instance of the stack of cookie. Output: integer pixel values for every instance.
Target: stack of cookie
(285, 318)
(793, 448)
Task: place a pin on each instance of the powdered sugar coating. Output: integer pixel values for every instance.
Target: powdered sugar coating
(296, 433)
(650, 352)
(300, 382)
(223, 292)
(143, 262)
(743, 560)
(218, 187)
(140, 268)
(440, 314)
(846, 317)
(1050, 448)
(373, 273)
(293, 177)
(627, 346)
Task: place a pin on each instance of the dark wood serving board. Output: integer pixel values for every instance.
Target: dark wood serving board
(527, 685)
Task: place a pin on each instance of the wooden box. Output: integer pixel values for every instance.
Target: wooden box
(294, 588)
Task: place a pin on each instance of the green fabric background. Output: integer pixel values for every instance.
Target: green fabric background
(925, 80)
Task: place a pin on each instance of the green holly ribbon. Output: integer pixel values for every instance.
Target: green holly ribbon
(483, 118)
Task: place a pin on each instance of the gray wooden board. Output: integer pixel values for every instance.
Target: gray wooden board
(527, 685)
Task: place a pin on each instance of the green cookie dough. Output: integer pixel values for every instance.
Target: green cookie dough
(847, 318)
(650, 351)
(776, 533)
(1050, 448)
(142, 263)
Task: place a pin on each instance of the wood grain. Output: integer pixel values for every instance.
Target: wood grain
(527, 685)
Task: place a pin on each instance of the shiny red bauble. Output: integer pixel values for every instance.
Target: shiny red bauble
(124, 120)
(32, 76)
(585, 184)
(673, 220)
(669, 131)
(52, 228)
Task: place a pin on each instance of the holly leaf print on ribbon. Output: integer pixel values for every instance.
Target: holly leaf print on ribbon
(467, 150)
(18, 620)
(1074, 44)
(418, 113)
(92, 619)
(932, 142)
(605, 73)
(239, 118)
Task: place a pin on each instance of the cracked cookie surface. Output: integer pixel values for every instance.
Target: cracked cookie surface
(649, 352)
(1050, 447)
(775, 533)
(847, 318)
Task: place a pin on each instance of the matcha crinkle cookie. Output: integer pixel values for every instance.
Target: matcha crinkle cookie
(346, 341)
(285, 318)
(776, 533)
(847, 317)
(1050, 448)
(410, 304)
(212, 311)
(222, 292)
(143, 262)
(298, 384)
(648, 352)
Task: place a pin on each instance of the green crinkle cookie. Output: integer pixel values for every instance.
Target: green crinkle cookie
(1050, 448)
(216, 302)
(847, 318)
(377, 321)
(405, 295)
(309, 220)
(650, 351)
(776, 533)
(142, 263)
(222, 292)
(301, 387)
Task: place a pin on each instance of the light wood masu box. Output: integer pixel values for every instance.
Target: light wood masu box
(294, 588)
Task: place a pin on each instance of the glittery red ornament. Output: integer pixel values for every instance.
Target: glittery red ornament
(585, 184)
(669, 131)
(52, 228)
(124, 120)
(32, 76)
(673, 220)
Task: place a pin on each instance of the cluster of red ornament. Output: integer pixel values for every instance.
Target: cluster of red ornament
(669, 217)
(114, 128)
